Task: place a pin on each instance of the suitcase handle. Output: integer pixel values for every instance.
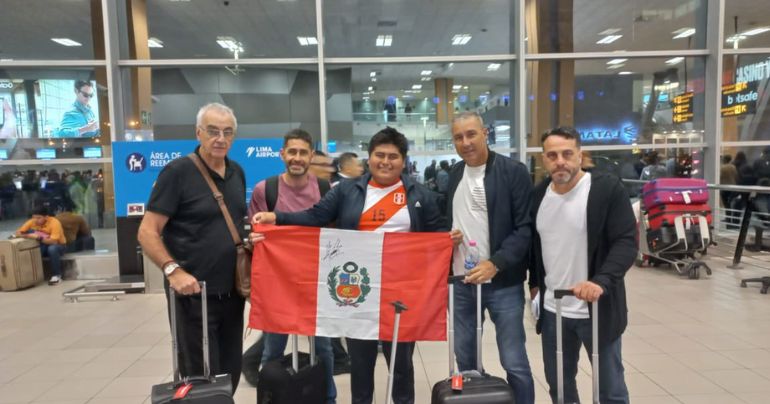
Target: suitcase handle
(558, 294)
(175, 344)
(451, 325)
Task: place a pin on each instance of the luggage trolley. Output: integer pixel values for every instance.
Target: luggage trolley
(674, 225)
(676, 245)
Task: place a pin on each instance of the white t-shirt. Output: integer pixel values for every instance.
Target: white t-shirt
(562, 225)
(469, 215)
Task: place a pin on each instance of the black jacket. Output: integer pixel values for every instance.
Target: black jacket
(612, 249)
(344, 204)
(509, 195)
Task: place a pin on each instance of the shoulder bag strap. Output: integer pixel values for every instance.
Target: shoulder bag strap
(218, 196)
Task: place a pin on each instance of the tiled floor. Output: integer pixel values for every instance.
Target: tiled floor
(689, 341)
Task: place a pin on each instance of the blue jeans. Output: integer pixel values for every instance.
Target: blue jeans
(506, 309)
(275, 344)
(576, 332)
(54, 253)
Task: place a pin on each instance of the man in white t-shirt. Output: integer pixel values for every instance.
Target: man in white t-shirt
(584, 241)
(488, 200)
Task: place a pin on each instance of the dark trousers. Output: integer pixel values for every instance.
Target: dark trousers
(225, 319)
(54, 253)
(363, 356)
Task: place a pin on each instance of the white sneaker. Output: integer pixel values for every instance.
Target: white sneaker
(55, 280)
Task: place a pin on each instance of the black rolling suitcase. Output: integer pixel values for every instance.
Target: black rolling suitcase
(557, 295)
(472, 387)
(294, 379)
(206, 389)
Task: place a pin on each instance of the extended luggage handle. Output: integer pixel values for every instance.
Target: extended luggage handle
(558, 294)
(451, 325)
(175, 344)
(398, 307)
(295, 352)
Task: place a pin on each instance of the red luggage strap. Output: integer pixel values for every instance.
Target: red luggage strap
(182, 391)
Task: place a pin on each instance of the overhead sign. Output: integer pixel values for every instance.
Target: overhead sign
(753, 72)
(739, 98)
(137, 164)
(624, 133)
(682, 111)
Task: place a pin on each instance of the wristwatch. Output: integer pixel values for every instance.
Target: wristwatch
(169, 268)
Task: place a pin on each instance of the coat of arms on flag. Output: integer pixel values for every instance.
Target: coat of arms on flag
(348, 285)
(340, 283)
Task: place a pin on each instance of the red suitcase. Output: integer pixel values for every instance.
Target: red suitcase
(685, 191)
(658, 214)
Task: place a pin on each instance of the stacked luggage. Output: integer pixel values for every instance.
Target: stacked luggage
(677, 219)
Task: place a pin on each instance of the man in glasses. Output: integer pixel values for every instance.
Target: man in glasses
(80, 121)
(184, 232)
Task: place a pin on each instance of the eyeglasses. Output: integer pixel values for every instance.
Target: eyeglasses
(215, 132)
(87, 95)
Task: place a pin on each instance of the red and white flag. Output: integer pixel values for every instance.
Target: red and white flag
(340, 283)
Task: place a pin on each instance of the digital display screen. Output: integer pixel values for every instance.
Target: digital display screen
(64, 108)
(3, 154)
(46, 154)
(92, 152)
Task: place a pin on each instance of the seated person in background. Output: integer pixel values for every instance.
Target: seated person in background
(76, 230)
(48, 231)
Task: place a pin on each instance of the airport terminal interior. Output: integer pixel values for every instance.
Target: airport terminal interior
(656, 89)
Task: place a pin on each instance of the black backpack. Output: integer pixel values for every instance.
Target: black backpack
(271, 190)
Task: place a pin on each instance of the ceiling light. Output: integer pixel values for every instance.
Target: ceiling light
(230, 43)
(370, 88)
(426, 72)
(609, 39)
(374, 79)
(461, 39)
(493, 67)
(307, 40)
(625, 73)
(616, 61)
(683, 32)
(617, 66)
(154, 43)
(609, 31)
(674, 61)
(457, 87)
(372, 74)
(66, 42)
(426, 79)
(384, 40)
(416, 86)
(735, 38)
(756, 31)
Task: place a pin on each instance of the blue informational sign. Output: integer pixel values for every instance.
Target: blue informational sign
(622, 133)
(137, 164)
(331, 146)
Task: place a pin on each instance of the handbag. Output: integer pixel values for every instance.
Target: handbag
(243, 257)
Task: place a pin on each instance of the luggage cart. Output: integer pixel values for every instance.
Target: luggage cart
(691, 235)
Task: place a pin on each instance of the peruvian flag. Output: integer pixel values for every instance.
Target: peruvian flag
(340, 283)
